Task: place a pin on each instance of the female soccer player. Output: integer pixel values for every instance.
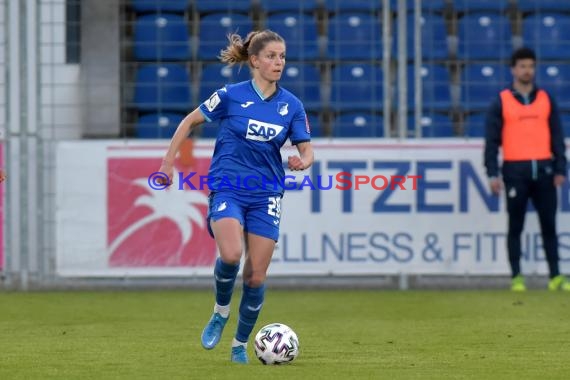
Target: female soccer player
(246, 175)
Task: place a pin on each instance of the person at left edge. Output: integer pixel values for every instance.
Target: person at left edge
(256, 118)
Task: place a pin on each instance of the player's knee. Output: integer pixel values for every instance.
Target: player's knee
(231, 256)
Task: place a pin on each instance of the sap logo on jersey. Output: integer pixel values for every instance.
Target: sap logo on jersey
(261, 131)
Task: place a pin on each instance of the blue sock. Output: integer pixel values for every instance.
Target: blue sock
(249, 308)
(225, 275)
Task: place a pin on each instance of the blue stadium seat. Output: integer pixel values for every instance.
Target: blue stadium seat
(214, 29)
(433, 36)
(205, 6)
(158, 125)
(161, 37)
(304, 81)
(358, 124)
(435, 5)
(479, 5)
(484, 36)
(555, 78)
(474, 125)
(481, 83)
(353, 5)
(549, 34)
(271, 6)
(160, 6)
(354, 36)
(436, 83)
(356, 87)
(433, 125)
(543, 5)
(164, 87)
(215, 75)
(300, 34)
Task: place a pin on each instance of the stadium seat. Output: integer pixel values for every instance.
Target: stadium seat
(297, 6)
(549, 34)
(481, 83)
(433, 37)
(358, 124)
(161, 37)
(214, 29)
(352, 5)
(479, 5)
(436, 92)
(543, 5)
(484, 36)
(555, 78)
(160, 6)
(433, 125)
(229, 6)
(474, 125)
(157, 125)
(354, 36)
(356, 87)
(304, 81)
(215, 75)
(299, 32)
(435, 5)
(160, 88)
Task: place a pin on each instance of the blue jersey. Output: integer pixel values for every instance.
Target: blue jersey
(247, 156)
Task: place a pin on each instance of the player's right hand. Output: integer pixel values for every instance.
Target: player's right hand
(496, 185)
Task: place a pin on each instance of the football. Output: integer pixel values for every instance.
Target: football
(276, 343)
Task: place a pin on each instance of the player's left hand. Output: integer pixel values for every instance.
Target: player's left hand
(559, 180)
(295, 163)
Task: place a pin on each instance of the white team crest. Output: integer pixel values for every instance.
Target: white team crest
(283, 108)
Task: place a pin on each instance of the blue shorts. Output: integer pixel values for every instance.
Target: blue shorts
(258, 215)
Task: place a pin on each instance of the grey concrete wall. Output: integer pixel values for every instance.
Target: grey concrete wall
(100, 67)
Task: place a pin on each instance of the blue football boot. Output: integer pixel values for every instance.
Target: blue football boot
(213, 331)
(239, 355)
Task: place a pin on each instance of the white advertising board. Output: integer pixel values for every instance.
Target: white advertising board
(426, 209)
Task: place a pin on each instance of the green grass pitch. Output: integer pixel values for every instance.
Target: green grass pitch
(343, 335)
